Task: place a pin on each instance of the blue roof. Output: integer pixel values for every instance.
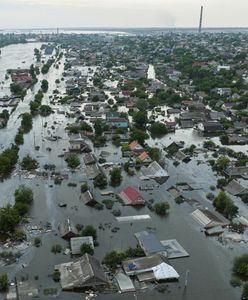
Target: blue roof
(149, 242)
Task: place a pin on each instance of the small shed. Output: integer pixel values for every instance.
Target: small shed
(88, 198)
(67, 230)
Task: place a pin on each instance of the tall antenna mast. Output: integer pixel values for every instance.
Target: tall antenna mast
(200, 24)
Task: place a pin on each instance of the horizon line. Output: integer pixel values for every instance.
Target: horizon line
(123, 27)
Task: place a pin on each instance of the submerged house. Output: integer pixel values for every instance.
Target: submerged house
(77, 242)
(135, 147)
(156, 172)
(67, 229)
(131, 197)
(235, 188)
(209, 219)
(84, 273)
(150, 268)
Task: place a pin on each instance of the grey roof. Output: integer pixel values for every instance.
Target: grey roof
(186, 123)
(86, 272)
(149, 243)
(124, 282)
(155, 171)
(77, 242)
(67, 229)
(92, 171)
(235, 188)
(209, 219)
(236, 171)
(174, 249)
(89, 159)
(88, 198)
(142, 264)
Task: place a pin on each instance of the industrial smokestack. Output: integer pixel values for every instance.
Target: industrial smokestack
(200, 24)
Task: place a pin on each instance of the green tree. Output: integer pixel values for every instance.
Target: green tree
(19, 140)
(139, 135)
(240, 266)
(98, 127)
(27, 122)
(142, 104)
(37, 241)
(140, 119)
(225, 206)
(158, 129)
(28, 163)
(24, 194)
(86, 248)
(84, 188)
(73, 161)
(100, 181)
(161, 208)
(115, 176)
(45, 110)
(9, 218)
(44, 85)
(221, 163)
(8, 160)
(4, 282)
(57, 248)
(113, 258)
(89, 230)
(245, 292)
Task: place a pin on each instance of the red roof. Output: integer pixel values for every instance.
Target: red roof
(131, 196)
(24, 77)
(126, 93)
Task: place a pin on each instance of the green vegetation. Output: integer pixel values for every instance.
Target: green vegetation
(17, 90)
(44, 85)
(23, 199)
(86, 248)
(56, 276)
(4, 282)
(84, 187)
(5, 116)
(240, 266)
(45, 110)
(73, 161)
(27, 122)
(245, 292)
(158, 129)
(221, 163)
(8, 160)
(37, 242)
(19, 140)
(108, 203)
(100, 181)
(57, 248)
(114, 258)
(28, 163)
(115, 176)
(89, 230)
(161, 208)
(140, 119)
(225, 206)
(9, 219)
(139, 135)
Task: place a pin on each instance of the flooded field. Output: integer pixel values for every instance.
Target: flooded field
(209, 263)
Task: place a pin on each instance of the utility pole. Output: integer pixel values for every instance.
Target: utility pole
(34, 139)
(186, 279)
(200, 23)
(17, 292)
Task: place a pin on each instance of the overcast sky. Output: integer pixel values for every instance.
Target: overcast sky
(122, 13)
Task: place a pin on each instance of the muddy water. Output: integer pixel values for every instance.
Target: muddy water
(209, 263)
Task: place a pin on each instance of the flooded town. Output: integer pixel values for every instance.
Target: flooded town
(124, 164)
